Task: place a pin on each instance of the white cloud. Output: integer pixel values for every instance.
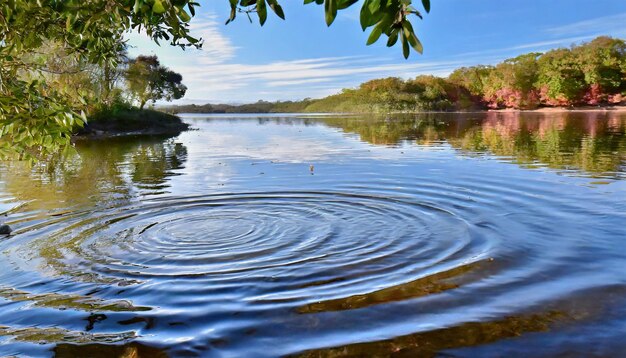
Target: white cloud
(240, 82)
(217, 48)
(601, 25)
(299, 82)
(558, 42)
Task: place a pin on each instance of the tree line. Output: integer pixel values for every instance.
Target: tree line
(591, 73)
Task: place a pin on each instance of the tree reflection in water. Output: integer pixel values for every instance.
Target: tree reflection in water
(100, 171)
(594, 143)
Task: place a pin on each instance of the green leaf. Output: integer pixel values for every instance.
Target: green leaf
(330, 7)
(393, 38)
(366, 15)
(233, 14)
(261, 9)
(158, 7)
(278, 10)
(409, 34)
(183, 15)
(233, 11)
(344, 4)
(416, 44)
(374, 6)
(375, 35)
(426, 4)
(405, 47)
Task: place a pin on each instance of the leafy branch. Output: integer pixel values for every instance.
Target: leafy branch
(389, 17)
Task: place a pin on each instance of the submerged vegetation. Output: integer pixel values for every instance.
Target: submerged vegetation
(592, 73)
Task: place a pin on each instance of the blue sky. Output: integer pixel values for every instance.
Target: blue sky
(301, 57)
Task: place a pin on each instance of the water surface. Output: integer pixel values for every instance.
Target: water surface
(285, 235)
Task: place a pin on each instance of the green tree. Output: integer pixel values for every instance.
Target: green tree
(149, 81)
(472, 78)
(561, 79)
(37, 117)
(431, 93)
(603, 62)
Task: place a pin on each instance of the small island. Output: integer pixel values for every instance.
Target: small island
(130, 122)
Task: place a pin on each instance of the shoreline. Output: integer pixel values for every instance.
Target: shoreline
(100, 134)
(586, 109)
(544, 110)
(620, 108)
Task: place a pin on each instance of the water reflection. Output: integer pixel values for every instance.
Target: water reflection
(413, 236)
(591, 144)
(100, 171)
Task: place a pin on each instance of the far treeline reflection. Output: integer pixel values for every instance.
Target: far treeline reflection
(594, 143)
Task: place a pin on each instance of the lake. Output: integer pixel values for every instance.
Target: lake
(487, 234)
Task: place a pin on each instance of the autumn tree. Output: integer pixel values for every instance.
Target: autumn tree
(512, 83)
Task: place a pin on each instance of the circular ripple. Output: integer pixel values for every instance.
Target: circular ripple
(367, 261)
(279, 246)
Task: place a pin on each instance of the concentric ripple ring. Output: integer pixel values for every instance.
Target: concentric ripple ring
(331, 243)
